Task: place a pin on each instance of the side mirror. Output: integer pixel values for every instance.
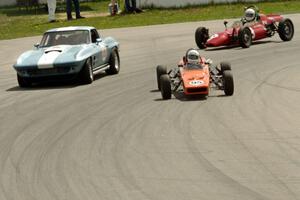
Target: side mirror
(98, 40)
(225, 24)
(37, 45)
(184, 59)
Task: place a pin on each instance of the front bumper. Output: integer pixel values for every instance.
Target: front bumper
(57, 70)
(196, 90)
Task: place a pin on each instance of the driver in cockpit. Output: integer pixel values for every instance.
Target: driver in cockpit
(251, 15)
(193, 59)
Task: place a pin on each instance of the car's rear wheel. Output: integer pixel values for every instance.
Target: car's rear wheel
(114, 63)
(87, 76)
(201, 36)
(286, 29)
(165, 83)
(160, 70)
(245, 37)
(23, 81)
(228, 83)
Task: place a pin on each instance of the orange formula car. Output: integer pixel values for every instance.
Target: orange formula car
(194, 75)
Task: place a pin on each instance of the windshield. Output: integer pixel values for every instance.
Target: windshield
(237, 24)
(65, 38)
(194, 66)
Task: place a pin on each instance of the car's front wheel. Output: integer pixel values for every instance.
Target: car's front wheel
(23, 81)
(160, 70)
(228, 83)
(87, 75)
(225, 66)
(165, 84)
(114, 63)
(201, 36)
(286, 29)
(245, 37)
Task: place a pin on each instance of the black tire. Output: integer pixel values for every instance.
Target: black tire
(165, 83)
(201, 36)
(160, 70)
(286, 30)
(114, 63)
(245, 37)
(228, 83)
(23, 81)
(225, 66)
(87, 76)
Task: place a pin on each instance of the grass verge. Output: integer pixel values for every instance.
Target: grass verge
(15, 23)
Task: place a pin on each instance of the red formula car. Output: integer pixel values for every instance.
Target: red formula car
(253, 26)
(194, 76)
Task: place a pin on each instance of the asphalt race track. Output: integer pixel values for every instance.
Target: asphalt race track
(117, 140)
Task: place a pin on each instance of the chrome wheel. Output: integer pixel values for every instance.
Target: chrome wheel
(91, 72)
(117, 62)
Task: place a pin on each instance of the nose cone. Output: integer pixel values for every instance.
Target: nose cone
(218, 39)
(195, 82)
(195, 78)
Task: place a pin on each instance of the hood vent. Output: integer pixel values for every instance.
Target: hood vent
(53, 50)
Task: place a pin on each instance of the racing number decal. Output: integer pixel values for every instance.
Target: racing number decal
(196, 82)
(213, 36)
(252, 32)
(104, 53)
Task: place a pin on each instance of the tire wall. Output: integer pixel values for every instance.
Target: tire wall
(182, 3)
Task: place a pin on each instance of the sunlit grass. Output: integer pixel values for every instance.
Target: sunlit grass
(16, 23)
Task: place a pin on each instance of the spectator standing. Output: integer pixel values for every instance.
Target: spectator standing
(130, 5)
(51, 10)
(69, 9)
(113, 7)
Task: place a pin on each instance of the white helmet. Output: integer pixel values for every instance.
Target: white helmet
(250, 14)
(193, 56)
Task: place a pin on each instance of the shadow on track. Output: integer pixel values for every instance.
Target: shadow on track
(50, 85)
(237, 47)
(182, 97)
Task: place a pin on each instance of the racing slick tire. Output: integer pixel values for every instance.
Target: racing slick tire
(23, 81)
(286, 30)
(245, 37)
(160, 70)
(228, 83)
(201, 36)
(87, 76)
(165, 83)
(114, 62)
(225, 66)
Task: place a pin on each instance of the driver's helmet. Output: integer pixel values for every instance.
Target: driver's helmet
(250, 14)
(193, 56)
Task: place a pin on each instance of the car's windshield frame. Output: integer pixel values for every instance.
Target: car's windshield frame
(191, 66)
(72, 37)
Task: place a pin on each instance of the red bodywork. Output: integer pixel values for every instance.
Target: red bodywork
(230, 35)
(195, 81)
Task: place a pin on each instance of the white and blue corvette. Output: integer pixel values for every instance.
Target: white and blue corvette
(68, 52)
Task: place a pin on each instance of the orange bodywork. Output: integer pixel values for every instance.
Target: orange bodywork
(195, 81)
